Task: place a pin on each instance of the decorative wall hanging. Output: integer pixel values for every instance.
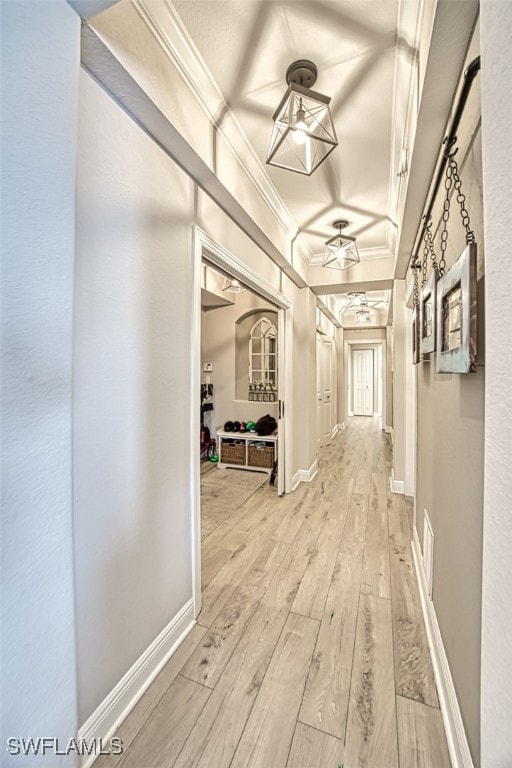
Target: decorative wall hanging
(457, 315)
(303, 134)
(457, 288)
(416, 319)
(427, 304)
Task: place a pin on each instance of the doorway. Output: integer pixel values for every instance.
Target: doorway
(325, 406)
(363, 380)
(275, 360)
(366, 382)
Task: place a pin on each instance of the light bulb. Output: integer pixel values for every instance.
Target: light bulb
(299, 134)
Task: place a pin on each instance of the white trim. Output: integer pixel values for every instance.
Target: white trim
(101, 63)
(397, 486)
(295, 480)
(334, 431)
(122, 698)
(389, 431)
(341, 426)
(307, 475)
(195, 421)
(217, 255)
(204, 248)
(458, 747)
(171, 34)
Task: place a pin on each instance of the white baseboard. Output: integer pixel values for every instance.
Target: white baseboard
(458, 747)
(341, 426)
(334, 431)
(306, 475)
(120, 701)
(397, 486)
(389, 431)
(295, 480)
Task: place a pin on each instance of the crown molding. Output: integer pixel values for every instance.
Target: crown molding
(163, 21)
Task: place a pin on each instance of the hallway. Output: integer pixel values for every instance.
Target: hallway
(310, 649)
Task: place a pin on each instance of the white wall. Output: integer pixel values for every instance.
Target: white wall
(218, 346)
(496, 689)
(132, 451)
(40, 57)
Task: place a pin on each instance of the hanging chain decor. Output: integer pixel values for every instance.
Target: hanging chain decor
(429, 242)
(425, 258)
(416, 289)
(453, 179)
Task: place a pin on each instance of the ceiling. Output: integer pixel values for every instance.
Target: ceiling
(248, 44)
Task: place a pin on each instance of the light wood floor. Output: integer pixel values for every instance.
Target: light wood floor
(310, 649)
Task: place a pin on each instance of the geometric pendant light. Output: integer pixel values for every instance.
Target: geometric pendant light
(303, 134)
(233, 286)
(363, 317)
(341, 250)
(356, 300)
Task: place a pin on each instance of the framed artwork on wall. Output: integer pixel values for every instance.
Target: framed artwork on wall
(428, 315)
(416, 335)
(457, 316)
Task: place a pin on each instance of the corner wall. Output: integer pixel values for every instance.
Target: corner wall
(40, 55)
(496, 669)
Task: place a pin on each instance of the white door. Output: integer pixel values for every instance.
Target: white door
(324, 405)
(327, 391)
(281, 366)
(319, 428)
(362, 367)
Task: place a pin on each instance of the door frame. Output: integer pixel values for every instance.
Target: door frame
(376, 395)
(347, 358)
(204, 248)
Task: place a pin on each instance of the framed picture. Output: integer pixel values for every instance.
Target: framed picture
(428, 315)
(457, 315)
(416, 335)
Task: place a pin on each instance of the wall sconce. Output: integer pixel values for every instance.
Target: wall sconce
(363, 317)
(341, 250)
(303, 134)
(233, 286)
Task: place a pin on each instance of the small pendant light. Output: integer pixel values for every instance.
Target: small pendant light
(233, 286)
(341, 250)
(303, 133)
(363, 317)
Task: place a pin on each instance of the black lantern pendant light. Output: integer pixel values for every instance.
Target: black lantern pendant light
(341, 250)
(303, 133)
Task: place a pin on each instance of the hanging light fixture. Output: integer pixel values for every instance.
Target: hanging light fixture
(363, 317)
(303, 133)
(341, 250)
(233, 286)
(356, 299)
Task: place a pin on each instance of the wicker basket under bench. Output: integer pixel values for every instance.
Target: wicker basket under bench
(259, 457)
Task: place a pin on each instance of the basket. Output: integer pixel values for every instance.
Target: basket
(260, 456)
(232, 453)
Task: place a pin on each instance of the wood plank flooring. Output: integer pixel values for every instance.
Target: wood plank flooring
(310, 649)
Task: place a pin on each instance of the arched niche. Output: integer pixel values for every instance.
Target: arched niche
(256, 335)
